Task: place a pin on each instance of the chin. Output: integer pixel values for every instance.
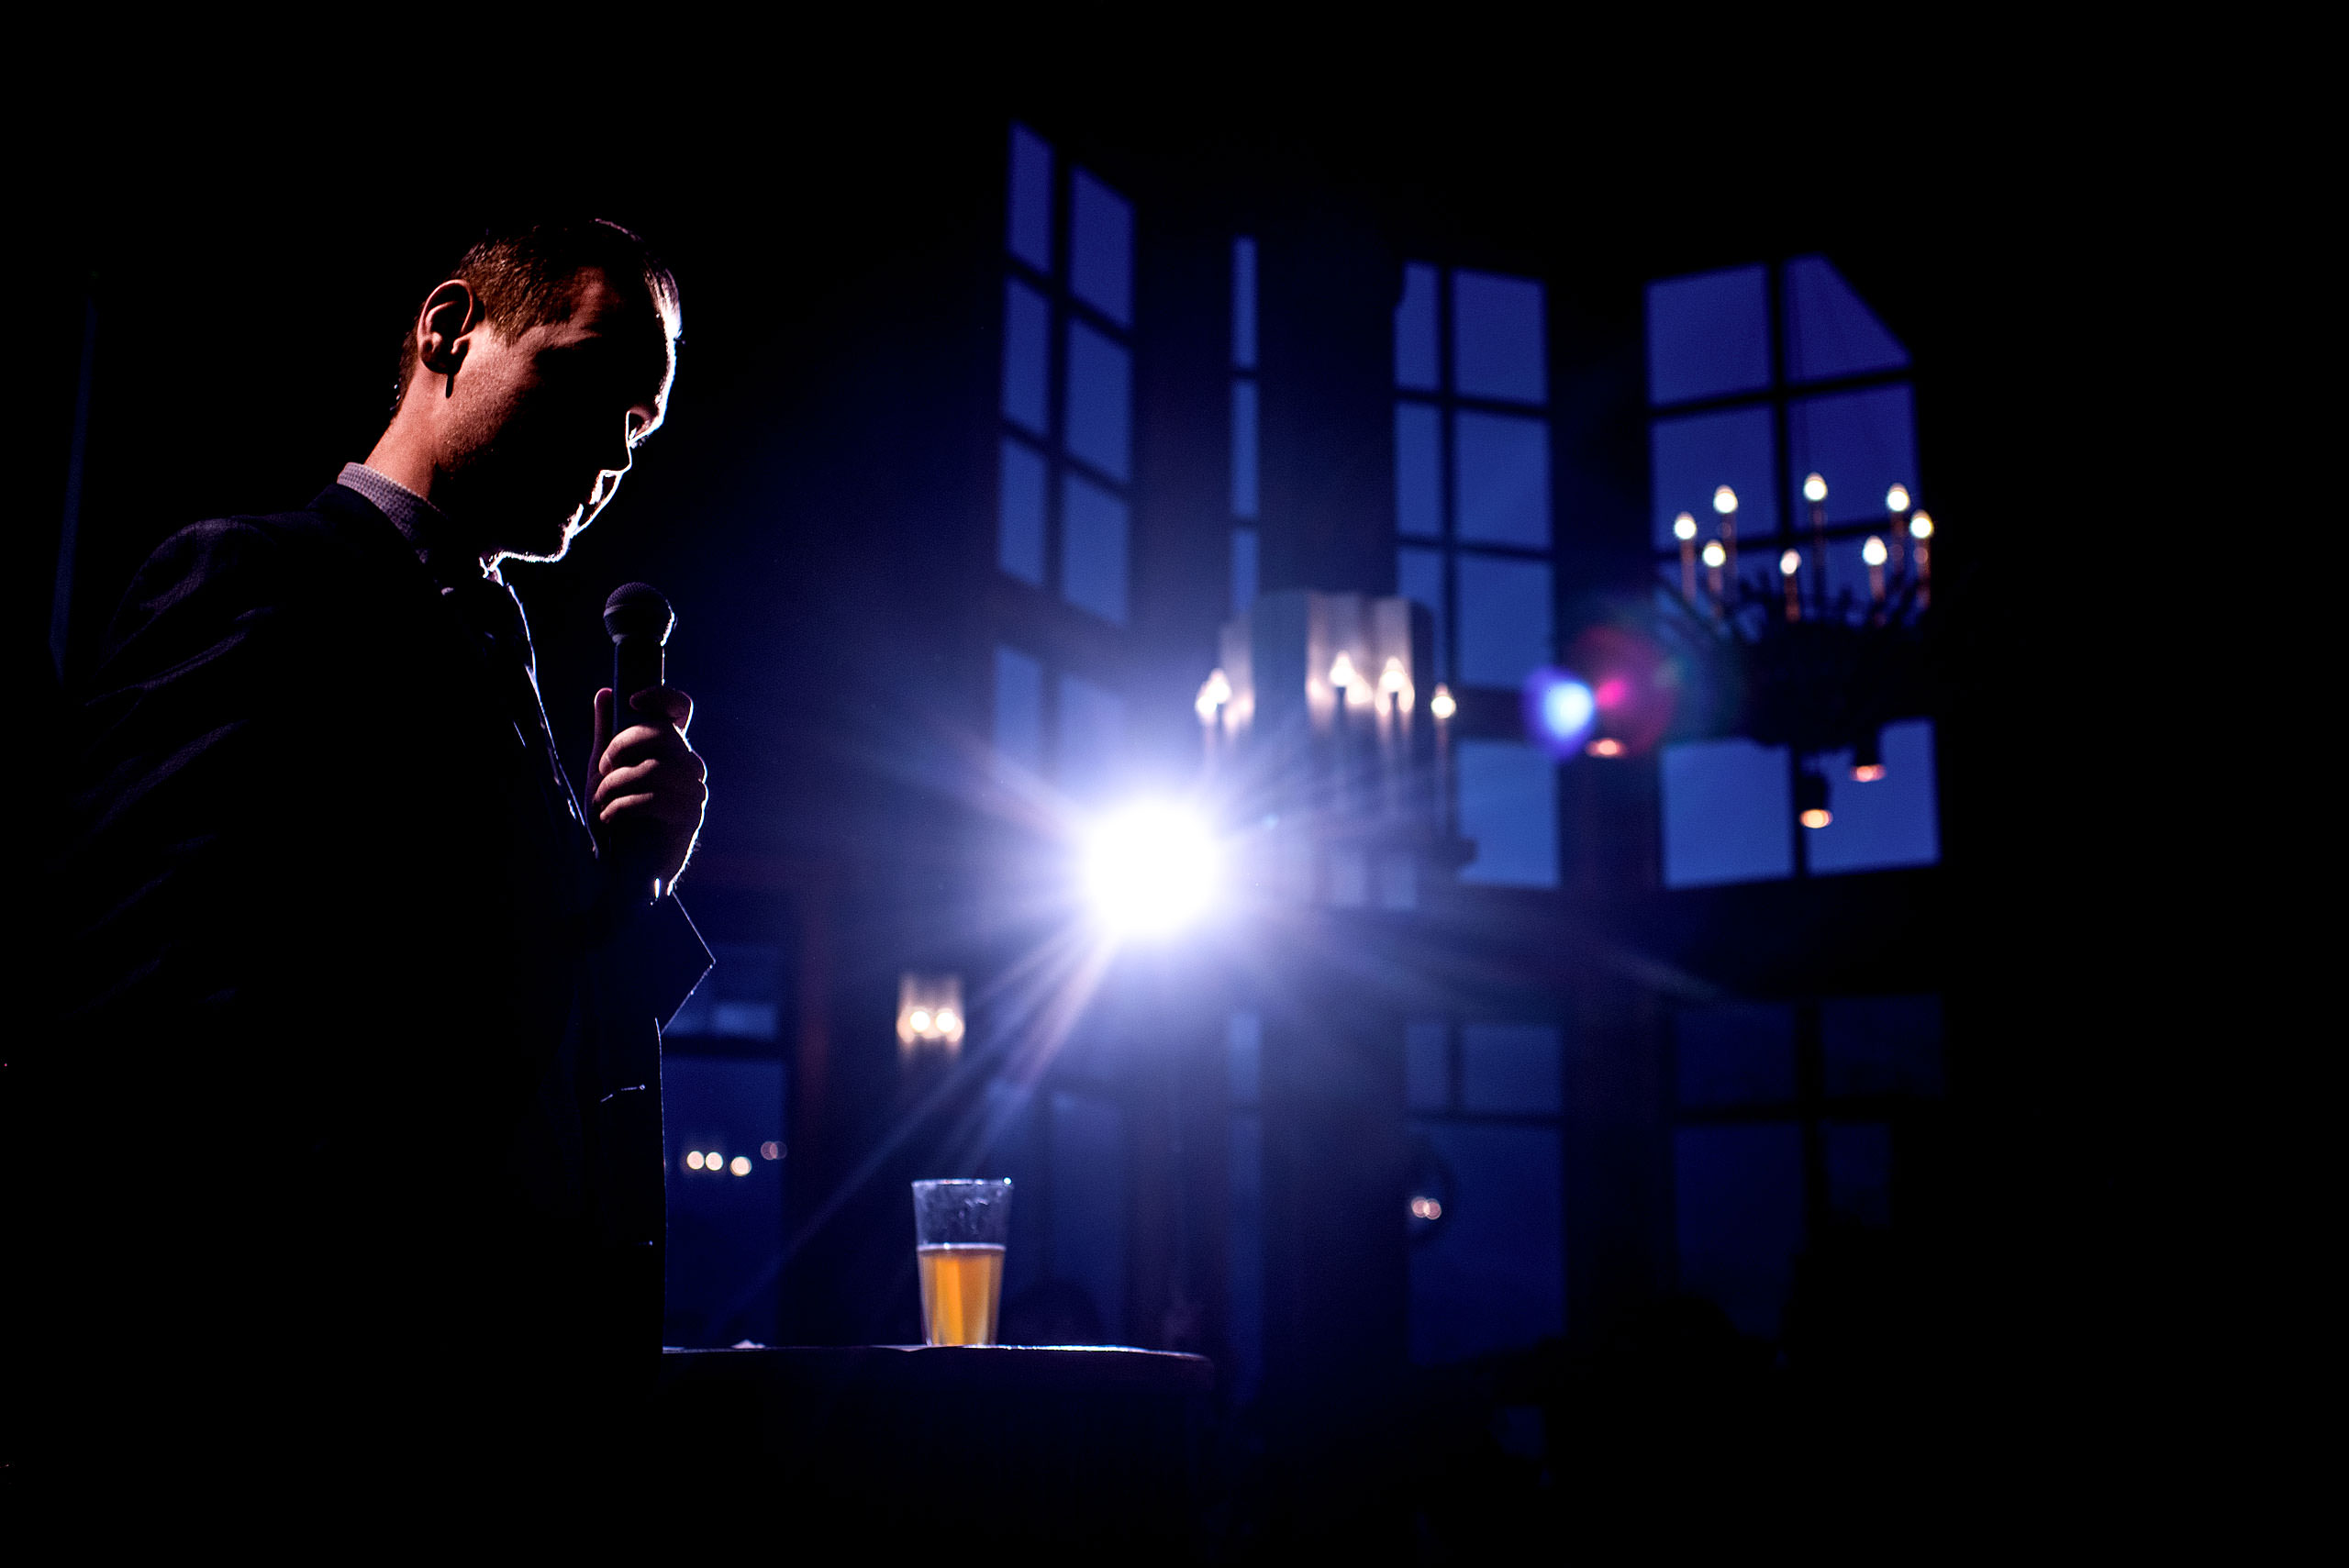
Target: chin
(549, 548)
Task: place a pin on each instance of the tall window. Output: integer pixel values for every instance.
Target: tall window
(1760, 377)
(1793, 1125)
(1472, 512)
(1488, 1212)
(1066, 473)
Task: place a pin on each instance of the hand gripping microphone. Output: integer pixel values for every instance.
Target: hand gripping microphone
(640, 621)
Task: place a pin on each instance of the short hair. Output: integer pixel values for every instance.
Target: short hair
(527, 275)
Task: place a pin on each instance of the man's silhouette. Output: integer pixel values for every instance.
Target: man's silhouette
(352, 1124)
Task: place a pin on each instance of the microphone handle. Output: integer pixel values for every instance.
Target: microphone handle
(637, 666)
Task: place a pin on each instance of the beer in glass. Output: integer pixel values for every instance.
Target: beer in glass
(959, 1227)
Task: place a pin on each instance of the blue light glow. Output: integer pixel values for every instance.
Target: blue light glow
(1560, 708)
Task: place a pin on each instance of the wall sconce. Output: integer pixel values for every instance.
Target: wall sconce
(929, 1012)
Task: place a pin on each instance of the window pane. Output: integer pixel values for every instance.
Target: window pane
(1427, 1068)
(1509, 1068)
(1019, 708)
(1088, 1206)
(1740, 1054)
(1859, 1171)
(1101, 400)
(1829, 331)
(1881, 1045)
(1738, 1191)
(1504, 619)
(1092, 733)
(1101, 249)
(1027, 331)
(723, 1232)
(1496, 341)
(1243, 570)
(1020, 514)
(1414, 329)
(1862, 443)
(1695, 456)
(1509, 805)
(1243, 449)
(1894, 821)
(1709, 336)
(1418, 471)
(1030, 236)
(1728, 813)
(1493, 1277)
(1419, 575)
(1501, 469)
(1243, 304)
(1093, 549)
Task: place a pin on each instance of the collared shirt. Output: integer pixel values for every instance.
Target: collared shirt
(488, 600)
(425, 525)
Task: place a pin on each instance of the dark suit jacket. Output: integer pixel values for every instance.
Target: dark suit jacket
(355, 1099)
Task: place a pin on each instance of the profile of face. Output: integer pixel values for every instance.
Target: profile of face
(531, 434)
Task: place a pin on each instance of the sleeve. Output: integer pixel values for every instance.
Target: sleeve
(187, 825)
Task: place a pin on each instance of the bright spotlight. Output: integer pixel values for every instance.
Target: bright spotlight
(1150, 869)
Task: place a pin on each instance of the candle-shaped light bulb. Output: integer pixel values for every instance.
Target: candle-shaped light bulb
(1921, 525)
(1715, 556)
(1873, 552)
(1214, 692)
(1342, 673)
(1790, 562)
(1441, 705)
(1392, 679)
(1897, 498)
(1814, 489)
(1724, 500)
(1684, 527)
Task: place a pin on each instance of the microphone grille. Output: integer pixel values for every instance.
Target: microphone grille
(638, 610)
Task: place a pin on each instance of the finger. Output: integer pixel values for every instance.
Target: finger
(668, 703)
(662, 777)
(642, 743)
(603, 726)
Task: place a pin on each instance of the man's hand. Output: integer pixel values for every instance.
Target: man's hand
(647, 778)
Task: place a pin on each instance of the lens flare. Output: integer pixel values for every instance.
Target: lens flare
(1149, 870)
(1559, 709)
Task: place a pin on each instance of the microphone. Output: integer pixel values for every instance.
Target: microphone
(638, 619)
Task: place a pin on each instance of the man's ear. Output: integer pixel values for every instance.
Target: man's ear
(449, 318)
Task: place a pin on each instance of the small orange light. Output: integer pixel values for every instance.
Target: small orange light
(1604, 747)
(1815, 818)
(1868, 774)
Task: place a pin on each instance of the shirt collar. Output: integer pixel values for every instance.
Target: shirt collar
(425, 525)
